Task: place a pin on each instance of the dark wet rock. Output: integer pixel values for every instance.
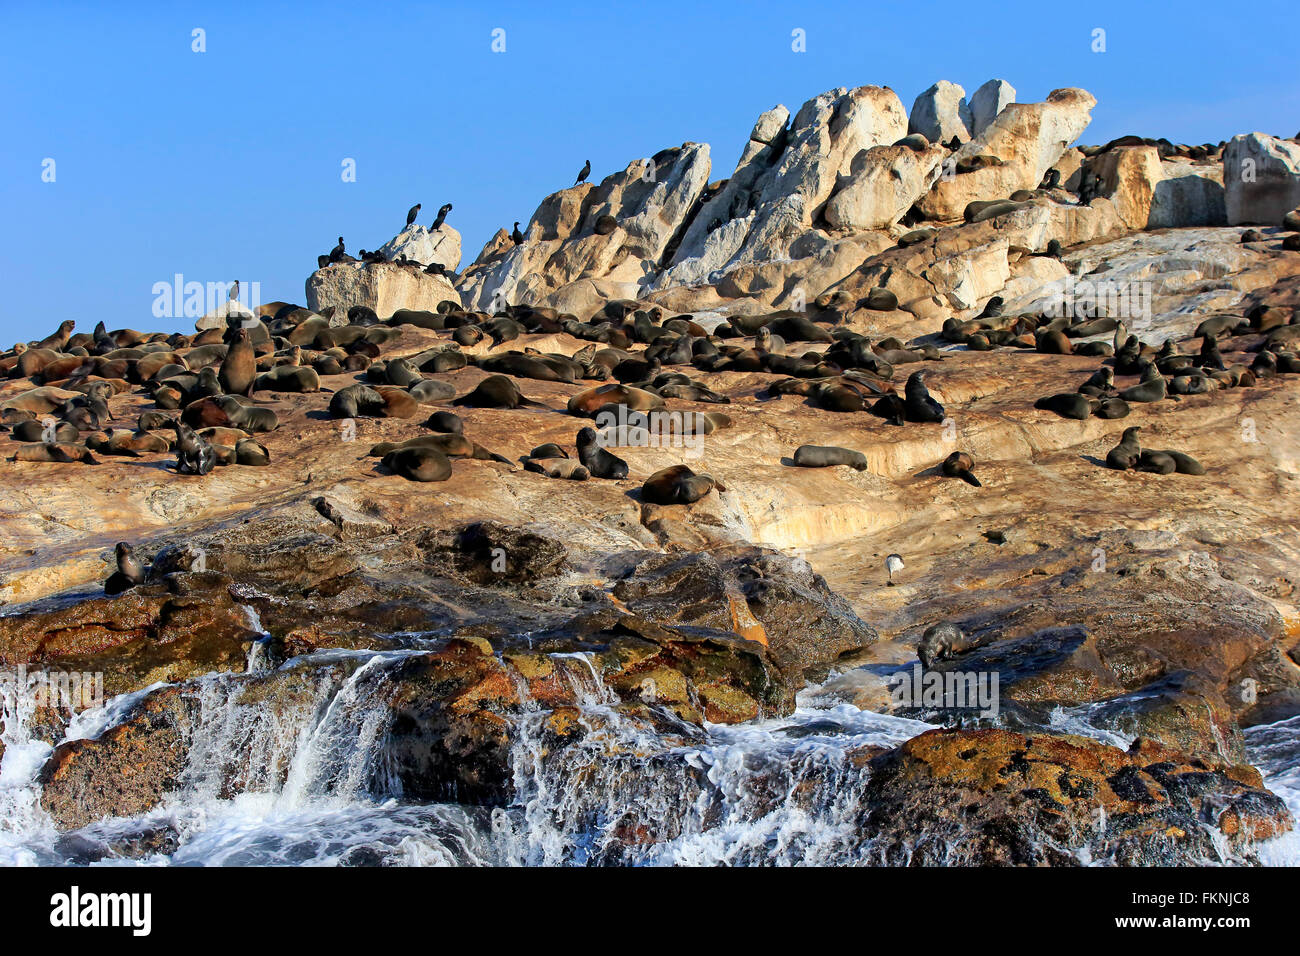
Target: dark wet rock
(994, 797)
(766, 597)
(490, 554)
(126, 771)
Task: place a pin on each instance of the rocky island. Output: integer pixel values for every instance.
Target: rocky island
(922, 492)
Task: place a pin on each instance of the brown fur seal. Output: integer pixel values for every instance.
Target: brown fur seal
(960, 465)
(677, 485)
(129, 571)
(496, 391)
(598, 461)
(943, 641)
(418, 464)
(558, 468)
(239, 367)
(825, 456)
(1125, 455)
(45, 451)
(588, 402)
(288, 378)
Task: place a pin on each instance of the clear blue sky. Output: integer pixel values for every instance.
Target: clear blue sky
(227, 163)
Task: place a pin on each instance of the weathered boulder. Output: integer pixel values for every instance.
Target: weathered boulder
(994, 797)
(1261, 179)
(940, 114)
(882, 184)
(769, 598)
(987, 102)
(415, 242)
(1188, 194)
(384, 287)
(1129, 176)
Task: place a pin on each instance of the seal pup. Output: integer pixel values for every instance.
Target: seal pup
(447, 422)
(825, 456)
(129, 571)
(920, 406)
(1125, 455)
(557, 468)
(960, 465)
(583, 174)
(943, 641)
(194, 454)
(412, 213)
(599, 462)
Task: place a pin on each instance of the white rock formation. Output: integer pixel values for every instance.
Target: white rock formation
(1026, 138)
(648, 202)
(940, 113)
(987, 102)
(781, 183)
(384, 287)
(1261, 179)
(420, 245)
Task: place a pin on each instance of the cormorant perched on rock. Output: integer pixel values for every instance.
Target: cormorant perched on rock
(582, 176)
(337, 252)
(234, 291)
(412, 213)
(516, 235)
(442, 217)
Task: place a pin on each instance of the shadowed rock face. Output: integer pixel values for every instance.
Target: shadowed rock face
(473, 633)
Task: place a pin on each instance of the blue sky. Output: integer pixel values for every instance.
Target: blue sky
(227, 163)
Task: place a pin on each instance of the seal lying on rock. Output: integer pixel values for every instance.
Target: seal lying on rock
(960, 465)
(825, 456)
(418, 463)
(677, 485)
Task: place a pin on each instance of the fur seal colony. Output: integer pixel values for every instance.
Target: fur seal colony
(638, 428)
